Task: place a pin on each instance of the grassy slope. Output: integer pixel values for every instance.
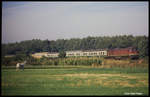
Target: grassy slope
(75, 81)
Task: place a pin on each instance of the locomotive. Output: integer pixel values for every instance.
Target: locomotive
(119, 53)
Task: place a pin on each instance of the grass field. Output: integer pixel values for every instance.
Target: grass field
(75, 81)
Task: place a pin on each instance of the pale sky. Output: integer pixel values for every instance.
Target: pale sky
(65, 20)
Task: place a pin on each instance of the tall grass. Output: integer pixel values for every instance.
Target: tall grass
(95, 62)
(86, 61)
(125, 63)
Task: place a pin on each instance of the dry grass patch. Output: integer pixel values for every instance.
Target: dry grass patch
(108, 80)
(144, 82)
(126, 84)
(8, 84)
(79, 83)
(59, 78)
(117, 83)
(85, 75)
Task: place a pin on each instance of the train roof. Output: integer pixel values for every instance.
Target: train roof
(87, 50)
(123, 48)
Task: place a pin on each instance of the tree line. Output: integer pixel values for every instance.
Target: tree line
(28, 47)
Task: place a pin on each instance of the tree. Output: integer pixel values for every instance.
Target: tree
(62, 54)
(143, 47)
(20, 57)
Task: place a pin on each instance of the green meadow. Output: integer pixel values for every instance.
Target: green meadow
(75, 80)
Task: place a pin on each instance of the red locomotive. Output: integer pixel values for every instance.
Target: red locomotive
(123, 52)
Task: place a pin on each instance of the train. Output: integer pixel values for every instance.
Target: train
(116, 53)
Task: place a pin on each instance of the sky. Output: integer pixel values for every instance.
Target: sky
(65, 20)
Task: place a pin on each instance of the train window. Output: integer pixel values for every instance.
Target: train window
(71, 54)
(95, 53)
(91, 53)
(78, 54)
(84, 53)
(101, 53)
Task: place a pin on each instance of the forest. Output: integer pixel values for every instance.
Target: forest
(88, 43)
(22, 50)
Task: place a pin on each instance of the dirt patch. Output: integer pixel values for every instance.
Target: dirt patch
(125, 84)
(59, 78)
(129, 76)
(85, 75)
(100, 76)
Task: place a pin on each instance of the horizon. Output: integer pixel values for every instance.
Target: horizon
(66, 20)
(72, 38)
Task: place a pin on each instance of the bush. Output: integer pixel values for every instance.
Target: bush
(62, 54)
